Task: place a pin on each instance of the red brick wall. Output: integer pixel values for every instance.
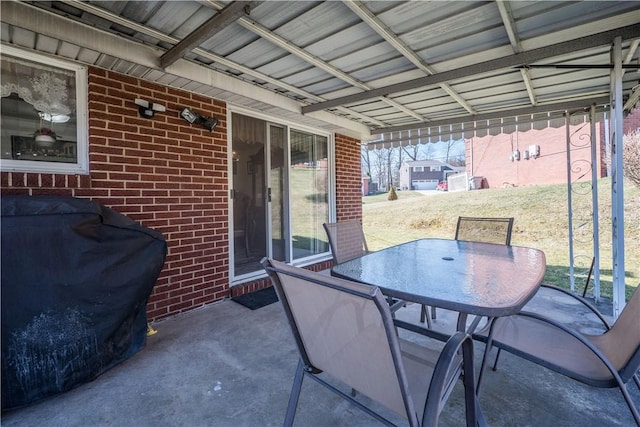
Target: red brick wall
(162, 172)
(488, 156)
(171, 176)
(631, 123)
(348, 178)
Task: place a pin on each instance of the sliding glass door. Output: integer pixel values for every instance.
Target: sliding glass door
(280, 194)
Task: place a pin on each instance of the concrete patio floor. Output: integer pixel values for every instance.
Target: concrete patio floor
(226, 365)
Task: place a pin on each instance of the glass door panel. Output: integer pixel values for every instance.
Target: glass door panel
(249, 136)
(309, 196)
(277, 186)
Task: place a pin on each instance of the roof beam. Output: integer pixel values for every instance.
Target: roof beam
(206, 54)
(227, 16)
(87, 7)
(635, 92)
(37, 20)
(541, 108)
(510, 27)
(521, 58)
(286, 45)
(379, 27)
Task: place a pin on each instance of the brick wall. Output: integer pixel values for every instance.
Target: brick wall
(171, 176)
(162, 172)
(631, 123)
(348, 178)
(489, 156)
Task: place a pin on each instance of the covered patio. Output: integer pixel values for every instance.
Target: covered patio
(226, 365)
(346, 73)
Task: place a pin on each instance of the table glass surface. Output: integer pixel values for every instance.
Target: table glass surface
(470, 277)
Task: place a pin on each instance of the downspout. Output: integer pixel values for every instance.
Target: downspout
(471, 155)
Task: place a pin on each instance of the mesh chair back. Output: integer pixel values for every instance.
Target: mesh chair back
(345, 329)
(621, 344)
(346, 239)
(485, 230)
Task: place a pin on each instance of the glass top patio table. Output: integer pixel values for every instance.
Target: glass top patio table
(472, 278)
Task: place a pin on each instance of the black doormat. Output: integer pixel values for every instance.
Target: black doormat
(257, 299)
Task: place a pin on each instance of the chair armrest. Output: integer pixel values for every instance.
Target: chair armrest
(583, 301)
(572, 332)
(456, 358)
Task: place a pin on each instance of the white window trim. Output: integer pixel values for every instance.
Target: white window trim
(312, 259)
(81, 167)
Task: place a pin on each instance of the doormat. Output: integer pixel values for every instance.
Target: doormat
(257, 299)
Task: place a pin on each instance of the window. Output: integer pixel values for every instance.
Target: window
(418, 168)
(435, 168)
(44, 114)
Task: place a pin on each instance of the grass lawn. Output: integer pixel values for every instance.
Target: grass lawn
(541, 221)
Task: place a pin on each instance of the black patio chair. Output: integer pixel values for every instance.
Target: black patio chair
(608, 360)
(345, 330)
(484, 230)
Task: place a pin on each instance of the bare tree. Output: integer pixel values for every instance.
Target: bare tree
(428, 150)
(365, 160)
(411, 151)
(450, 145)
(380, 167)
(458, 161)
(631, 157)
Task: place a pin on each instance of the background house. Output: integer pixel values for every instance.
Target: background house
(425, 174)
(492, 156)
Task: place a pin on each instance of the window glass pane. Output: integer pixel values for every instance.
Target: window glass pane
(309, 183)
(39, 128)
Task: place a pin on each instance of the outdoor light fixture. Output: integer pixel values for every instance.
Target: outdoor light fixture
(208, 123)
(189, 116)
(148, 109)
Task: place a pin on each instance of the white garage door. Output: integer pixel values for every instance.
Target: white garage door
(424, 184)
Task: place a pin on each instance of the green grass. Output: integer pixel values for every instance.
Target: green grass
(541, 221)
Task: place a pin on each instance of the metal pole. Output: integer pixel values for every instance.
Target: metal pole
(595, 148)
(617, 196)
(572, 279)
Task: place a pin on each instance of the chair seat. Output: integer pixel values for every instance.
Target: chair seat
(549, 346)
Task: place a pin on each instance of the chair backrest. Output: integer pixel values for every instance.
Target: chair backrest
(346, 239)
(621, 343)
(485, 230)
(345, 329)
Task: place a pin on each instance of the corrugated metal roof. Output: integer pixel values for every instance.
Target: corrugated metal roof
(344, 57)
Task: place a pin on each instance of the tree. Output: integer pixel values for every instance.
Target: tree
(411, 151)
(365, 160)
(379, 167)
(449, 146)
(631, 157)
